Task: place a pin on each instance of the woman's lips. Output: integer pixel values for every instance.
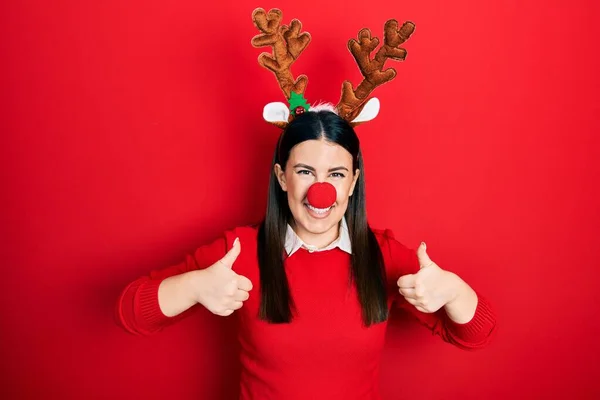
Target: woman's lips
(318, 213)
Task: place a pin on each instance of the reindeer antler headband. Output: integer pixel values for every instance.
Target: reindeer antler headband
(288, 42)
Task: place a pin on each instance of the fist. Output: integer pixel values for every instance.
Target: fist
(429, 289)
(222, 291)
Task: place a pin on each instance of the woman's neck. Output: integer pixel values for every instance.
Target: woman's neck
(319, 240)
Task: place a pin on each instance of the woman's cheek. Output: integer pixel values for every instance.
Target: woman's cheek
(300, 188)
(342, 190)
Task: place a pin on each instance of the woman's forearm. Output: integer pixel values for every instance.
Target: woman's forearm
(178, 293)
(462, 308)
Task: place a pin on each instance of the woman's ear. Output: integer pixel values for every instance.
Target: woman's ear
(356, 174)
(280, 175)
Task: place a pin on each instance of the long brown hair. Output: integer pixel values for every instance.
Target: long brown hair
(367, 269)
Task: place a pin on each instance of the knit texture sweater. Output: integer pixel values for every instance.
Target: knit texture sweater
(326, 352)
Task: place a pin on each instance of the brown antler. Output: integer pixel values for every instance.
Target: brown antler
(352, 101)
(287, 43)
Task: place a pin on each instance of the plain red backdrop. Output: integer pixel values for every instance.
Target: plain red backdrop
(132, 133)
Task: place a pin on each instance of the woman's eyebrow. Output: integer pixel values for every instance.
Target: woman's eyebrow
(308, 167)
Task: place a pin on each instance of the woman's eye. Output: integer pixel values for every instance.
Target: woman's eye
(307, 172)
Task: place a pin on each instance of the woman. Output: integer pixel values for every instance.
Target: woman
(312, 285)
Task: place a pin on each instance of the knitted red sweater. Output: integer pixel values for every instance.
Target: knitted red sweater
(325, 352)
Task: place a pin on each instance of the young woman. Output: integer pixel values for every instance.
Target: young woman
(313, 284)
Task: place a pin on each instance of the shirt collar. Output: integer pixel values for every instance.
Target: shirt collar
(293, 243)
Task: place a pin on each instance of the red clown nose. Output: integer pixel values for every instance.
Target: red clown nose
(321, 195)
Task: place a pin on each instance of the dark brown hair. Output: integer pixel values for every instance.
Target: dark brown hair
(367, 271)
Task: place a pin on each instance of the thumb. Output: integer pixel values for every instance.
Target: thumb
(424, 260)
(232, 254)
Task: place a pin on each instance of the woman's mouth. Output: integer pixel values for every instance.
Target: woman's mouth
(318, 213)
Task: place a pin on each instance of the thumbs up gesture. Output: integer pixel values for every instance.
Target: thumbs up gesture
(431, 288)
(223, 291)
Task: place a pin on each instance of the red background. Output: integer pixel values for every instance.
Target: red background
(132, 133)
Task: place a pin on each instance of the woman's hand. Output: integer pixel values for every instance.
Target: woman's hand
(433, 288)
(219, 289)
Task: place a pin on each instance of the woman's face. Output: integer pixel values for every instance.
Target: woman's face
(317, 161)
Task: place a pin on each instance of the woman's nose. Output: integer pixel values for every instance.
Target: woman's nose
(321, 194)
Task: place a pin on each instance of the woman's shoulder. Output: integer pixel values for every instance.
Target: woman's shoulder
(246, 233)
(395, 252)
(386, 237)
(383, 234)
(246, 260)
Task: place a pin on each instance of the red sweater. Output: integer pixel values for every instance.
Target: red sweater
(325, 352)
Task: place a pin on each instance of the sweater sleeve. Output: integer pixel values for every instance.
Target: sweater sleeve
(471, 335)
(137, 309)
